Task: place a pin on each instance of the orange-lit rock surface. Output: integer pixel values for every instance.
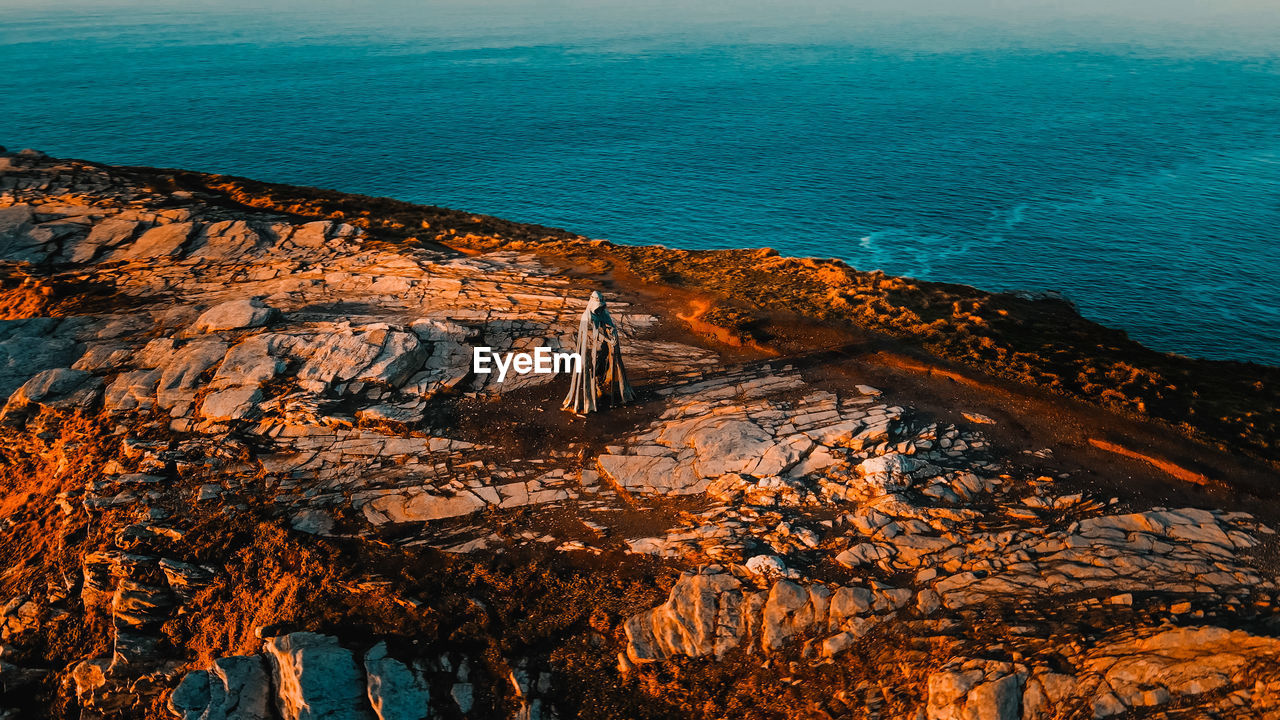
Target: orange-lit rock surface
(248, 473)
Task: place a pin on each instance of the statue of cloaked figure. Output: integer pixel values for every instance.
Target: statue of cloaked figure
(600, 348)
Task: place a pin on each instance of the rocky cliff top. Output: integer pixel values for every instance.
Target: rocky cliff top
(249, 473)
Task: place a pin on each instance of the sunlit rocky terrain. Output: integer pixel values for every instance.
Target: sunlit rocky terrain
(248, 472)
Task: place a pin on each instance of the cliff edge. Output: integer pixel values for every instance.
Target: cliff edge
(249, 472)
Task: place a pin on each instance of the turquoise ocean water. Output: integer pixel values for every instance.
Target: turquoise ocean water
(1130, 161)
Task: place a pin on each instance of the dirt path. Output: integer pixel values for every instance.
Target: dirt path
(1140, 460)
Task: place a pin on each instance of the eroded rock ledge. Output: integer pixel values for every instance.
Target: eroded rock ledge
(250, 475)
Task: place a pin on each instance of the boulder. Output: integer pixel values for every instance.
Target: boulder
(703, 615)
(463, 695)
(58, 389)
(18, 616)
(977, 690)
(949, 689)
(1044, 693)
(399, 356)
(1179, 662)
(235, 403)
(225, 240)
(848, 602)
(156, 353)
(253, 361)
(783, 456)
(160, 241)
(419, 506)
(234, 688)
(653, 474)
(133, 390)
(316, 678)
(708, 612)
(313, 522)
(770, 567)
(864, 554)
(722, 446)
(180, 375)
(790, 610)
(396, 691)
(23, 355)
(376, 355)
(236, 315)
(109, 233)
(889, 473)
(997, 700)
(89, 676)
(335, 358)
(185, 579)
(106, 357)
(312, 234)
(15, 222)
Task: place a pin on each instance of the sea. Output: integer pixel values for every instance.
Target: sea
(1124, 154)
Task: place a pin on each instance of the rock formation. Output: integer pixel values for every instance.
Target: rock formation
(249, 474)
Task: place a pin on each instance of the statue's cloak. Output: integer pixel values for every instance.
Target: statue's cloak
(601, 370)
